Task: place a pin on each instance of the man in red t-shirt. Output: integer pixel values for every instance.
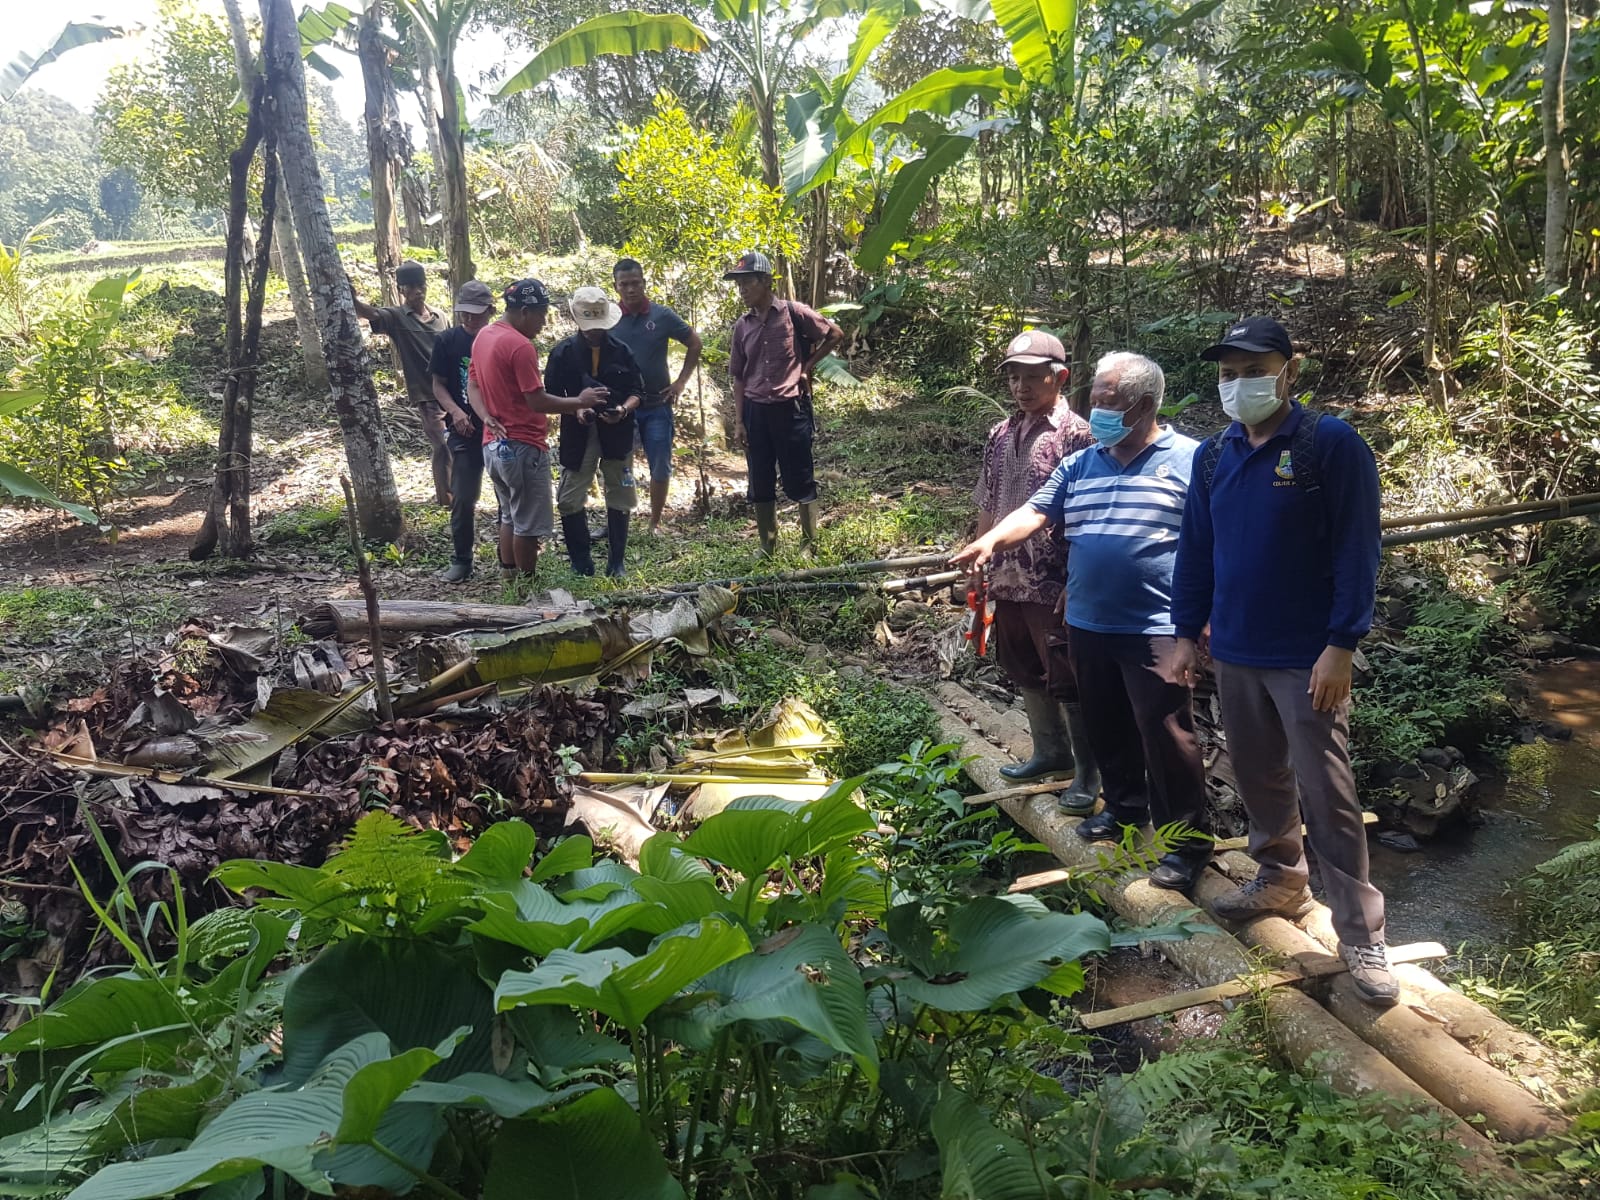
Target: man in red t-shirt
(507, 392)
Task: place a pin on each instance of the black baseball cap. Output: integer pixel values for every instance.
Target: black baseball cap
(526, 293)
(751, 262)
(1254, 335)
(410, 274)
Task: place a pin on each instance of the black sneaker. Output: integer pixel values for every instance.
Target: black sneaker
(1105, 827)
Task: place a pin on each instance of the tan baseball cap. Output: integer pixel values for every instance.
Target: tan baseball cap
(591, 308)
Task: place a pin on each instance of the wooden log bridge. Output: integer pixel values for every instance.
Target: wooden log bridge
(1435, 1051)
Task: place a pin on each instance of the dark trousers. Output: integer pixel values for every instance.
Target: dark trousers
(778, 443)
(1293, 761)
(1140, 727)
(466, 482)
(1030, 644)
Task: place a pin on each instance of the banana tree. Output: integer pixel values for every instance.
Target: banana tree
(1042, 35)
(74, 34)
(439, 25)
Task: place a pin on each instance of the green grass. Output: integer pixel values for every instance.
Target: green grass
(54, 635)
(33, 613)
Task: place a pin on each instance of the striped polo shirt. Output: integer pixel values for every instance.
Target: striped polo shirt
(1122, 525)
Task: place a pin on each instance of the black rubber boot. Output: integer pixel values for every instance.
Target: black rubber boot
(1052, 752)
(1107, 826)
(617, 539)
(1079, 799)
(767, 526)
(575, 530)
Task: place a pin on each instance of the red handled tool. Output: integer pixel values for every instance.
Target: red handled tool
(980, 615)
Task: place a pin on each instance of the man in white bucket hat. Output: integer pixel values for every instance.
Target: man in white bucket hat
(600, 440)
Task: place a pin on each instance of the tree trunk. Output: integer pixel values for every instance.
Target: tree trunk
(1553, 103)
(228, 517)
(385, 136)
(819, 247)
(1437, 391)
(284, 242)
(453, 175)
(354, 397)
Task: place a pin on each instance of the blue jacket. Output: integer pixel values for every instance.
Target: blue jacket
(1280, 575)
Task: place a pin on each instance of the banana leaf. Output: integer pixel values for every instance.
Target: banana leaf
(290, 715)
(551, 651)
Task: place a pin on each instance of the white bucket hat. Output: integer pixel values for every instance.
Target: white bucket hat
(591, 308)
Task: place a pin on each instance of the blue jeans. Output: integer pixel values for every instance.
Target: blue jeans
(655, 426)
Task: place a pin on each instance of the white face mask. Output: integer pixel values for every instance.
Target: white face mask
(1250, 401)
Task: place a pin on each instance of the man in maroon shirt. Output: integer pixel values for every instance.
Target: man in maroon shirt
(772, 351)
(1028, 582)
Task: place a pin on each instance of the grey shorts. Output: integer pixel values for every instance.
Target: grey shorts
(616, 475)
(521, 477)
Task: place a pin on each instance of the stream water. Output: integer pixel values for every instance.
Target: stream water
(1454, 889)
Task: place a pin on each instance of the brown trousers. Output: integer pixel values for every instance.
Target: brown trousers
(1141, 729)
(1277, 741)
(1030, 644)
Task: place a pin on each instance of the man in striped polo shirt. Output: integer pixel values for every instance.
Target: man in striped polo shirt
(1120, 504)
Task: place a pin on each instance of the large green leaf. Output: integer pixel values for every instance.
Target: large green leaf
(501, 852)
(802, 976)
(911, 183)
(592, 1149)
(978, 1161)
(290, 1130)
(414, 993)
(572, 854)
(560, 1043)
(625, 33)
(24, 486)
(74, 34)
(102, 1010)
(531, 918)
(625, 987)
(1343, 48)
(993, 949)
(754, 832)
(943, 92)
(1041, 33)
(11, 403)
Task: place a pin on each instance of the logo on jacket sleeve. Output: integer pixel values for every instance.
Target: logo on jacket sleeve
(1285, 467)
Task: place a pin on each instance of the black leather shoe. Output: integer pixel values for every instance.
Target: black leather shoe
(1177, 872)
(1105, 827)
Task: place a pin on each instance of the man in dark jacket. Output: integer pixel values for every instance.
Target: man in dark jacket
(1278, 566)
(601, 440)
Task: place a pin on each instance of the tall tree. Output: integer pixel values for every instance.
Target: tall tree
(1553, 105)
(386, 145)
(354, 396)
(285, 245)
(227, 520)
(439, 25)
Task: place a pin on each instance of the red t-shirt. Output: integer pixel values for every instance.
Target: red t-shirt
(505, 366)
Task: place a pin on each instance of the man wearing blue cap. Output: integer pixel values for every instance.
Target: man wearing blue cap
(1278, 562)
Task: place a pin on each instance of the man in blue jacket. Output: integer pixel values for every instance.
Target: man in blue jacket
(1278, 563)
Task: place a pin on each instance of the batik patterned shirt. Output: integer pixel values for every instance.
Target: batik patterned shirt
(1019, 459)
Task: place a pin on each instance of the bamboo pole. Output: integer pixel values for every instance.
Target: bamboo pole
(1435, 533)
(1560, 503)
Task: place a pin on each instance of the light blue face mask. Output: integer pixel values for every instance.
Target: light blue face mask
(1107, 427)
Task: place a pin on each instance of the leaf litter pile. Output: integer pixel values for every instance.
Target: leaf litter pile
(226, 744)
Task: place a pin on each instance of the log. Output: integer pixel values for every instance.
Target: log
(1451, 1074)
(1523, 1057)
(1248, 986)
(347, 619)
(1014, 792)
(1300, 1028)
